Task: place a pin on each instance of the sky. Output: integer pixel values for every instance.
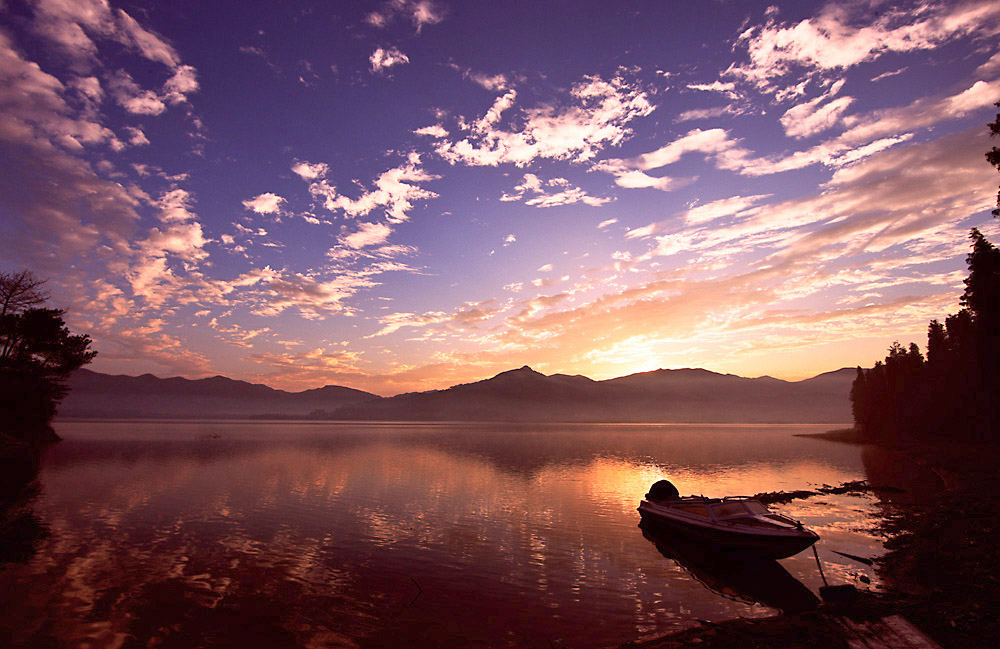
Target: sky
(409, 194)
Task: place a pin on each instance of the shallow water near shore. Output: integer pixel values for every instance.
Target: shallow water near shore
(217, 534)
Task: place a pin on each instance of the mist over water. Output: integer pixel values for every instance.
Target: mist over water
(211, 534)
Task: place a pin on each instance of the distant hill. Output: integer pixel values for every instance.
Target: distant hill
(681, 396)
(93, 394)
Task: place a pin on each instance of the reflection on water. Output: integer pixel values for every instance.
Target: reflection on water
(763, 581)
(337, 535)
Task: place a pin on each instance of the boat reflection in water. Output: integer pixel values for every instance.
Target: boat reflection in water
(750, 579)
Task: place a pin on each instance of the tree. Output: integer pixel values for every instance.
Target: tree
(993, 155)
(19, 291)
(37, 355)
(956, 391)
(982, 287)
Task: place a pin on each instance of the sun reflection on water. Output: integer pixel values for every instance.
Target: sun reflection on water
(358, 535)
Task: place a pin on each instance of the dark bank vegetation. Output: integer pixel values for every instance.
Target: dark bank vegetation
(37, 354)
(953, 391)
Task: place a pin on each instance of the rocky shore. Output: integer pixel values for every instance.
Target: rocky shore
(940, 569)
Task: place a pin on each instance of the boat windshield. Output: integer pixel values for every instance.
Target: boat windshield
(730, 509)
(756, 507)
(697, 510)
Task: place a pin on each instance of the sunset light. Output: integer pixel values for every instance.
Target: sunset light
(532, 325)
(408, 195)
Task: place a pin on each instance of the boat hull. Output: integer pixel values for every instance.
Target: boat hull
(751, 580)
(733, 543)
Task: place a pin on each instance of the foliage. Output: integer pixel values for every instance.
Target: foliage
(993, 155)
(955, 389)
(37, 354)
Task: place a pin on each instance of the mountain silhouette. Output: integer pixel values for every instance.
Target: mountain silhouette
(681, 396)
(677, 396)
(93, 394)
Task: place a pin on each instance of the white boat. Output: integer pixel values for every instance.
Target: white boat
(734, 526)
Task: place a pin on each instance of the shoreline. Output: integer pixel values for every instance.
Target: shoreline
(938, 570)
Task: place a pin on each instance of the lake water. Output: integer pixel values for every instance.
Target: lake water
(277, 534)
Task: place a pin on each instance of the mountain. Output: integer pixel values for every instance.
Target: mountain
(93, 394)
(681, 396)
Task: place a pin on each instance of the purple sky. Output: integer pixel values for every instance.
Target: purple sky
(406, 195)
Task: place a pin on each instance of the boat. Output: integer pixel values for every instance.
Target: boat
(735, 526)
(747, 580)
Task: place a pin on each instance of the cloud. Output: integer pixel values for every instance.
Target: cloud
(179, 236)
(419, 12)
(597, 116)
(70, 24)
(493, 82)
(320, 365)
(310, 295)
(55, 206)
(734, 206)
(509, 239)
(183, 82)
(707, 113)
(395, 190)
(871, 132)
(132, 98)
(886, 75)
(727, 88)
(310, 171)
(542, 197)
(435, 130)
(990, 68)
(816, 115)
(630, 172)
(136, 137)
(367, 234)
(604, 224)
(266, 203)
(842, 36)
(262, 55)
(383, 59)
(466, 316)
(492, 116)
(896, 197)
(863, 136)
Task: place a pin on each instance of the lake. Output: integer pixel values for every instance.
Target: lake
(289, 534)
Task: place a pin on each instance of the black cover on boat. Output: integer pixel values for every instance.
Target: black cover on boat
(662, 490)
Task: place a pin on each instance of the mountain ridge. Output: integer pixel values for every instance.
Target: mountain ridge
(686, 395)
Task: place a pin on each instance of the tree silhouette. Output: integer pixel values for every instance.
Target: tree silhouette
(37, 354)
(19, 291)
(955, 391)
(993, 155)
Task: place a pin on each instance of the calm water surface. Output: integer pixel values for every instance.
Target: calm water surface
(236, 534)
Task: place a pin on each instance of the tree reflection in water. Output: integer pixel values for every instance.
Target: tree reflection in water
(20, 528)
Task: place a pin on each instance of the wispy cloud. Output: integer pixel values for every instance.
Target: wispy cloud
(419, 12)
(310, 170)
(843, 36)
(382, 59)
(367, 234)
(597, 116)
(550, 193)
(395, 191)
(631, 172)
